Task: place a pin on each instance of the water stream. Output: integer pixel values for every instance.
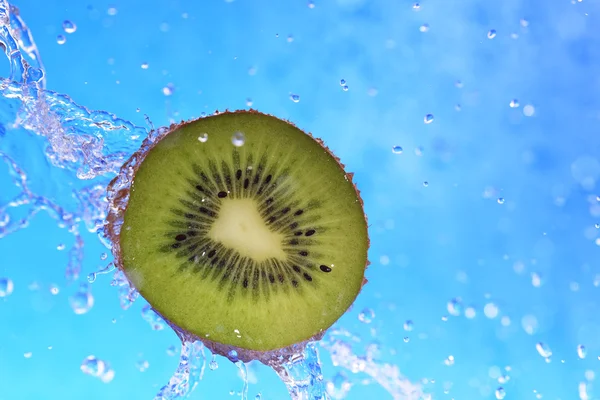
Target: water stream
(90, 148)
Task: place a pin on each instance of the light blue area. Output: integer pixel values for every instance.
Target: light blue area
(509, 197)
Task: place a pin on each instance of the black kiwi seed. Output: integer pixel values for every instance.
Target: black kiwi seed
(325, 268)
(310, 232)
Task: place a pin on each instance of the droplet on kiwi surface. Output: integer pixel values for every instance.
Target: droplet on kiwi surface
(256, 247)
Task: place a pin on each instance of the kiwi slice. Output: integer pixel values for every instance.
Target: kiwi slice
(242, 230)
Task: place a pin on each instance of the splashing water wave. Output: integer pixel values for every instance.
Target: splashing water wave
(90, 148)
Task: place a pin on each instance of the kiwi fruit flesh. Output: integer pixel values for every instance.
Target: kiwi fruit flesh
(243, 230)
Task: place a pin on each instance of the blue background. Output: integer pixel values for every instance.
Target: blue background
(451, 238)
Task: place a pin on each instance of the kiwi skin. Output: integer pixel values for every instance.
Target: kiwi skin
(118, 196)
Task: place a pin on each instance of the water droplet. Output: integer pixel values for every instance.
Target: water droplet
(524, 23)
(61, 39)
(428, 118)
(295, 98)
(536, 279)
(112, 11)
(581, 351)
(455, 307)
(425, 184)
(69, 26)
(408, 325)
(424, 28)
(54, 289)
(416, 7)
(543, 350)
(459, 84)
(490, 310)
(97, 368)
(142, 365)
(528, 110)
(470, 312)
(233, 356)
(203, 138)
(500, 200)
(366, 316)
(152, 318)
(28, 354)
(345, 88)
(60, 247)
(449, 361)
(249, 102)
(491, 34)
(397, 150)
(145, 65)
(514, 103)
(406, 339)
(6, 287)
(238, 139)
(213, 365)
(171, 351)
(258, 397)
(597, 226)
(419, 151)
(311, 4)
(342, 82)
(168, 90)
(82, 301)
(500, 393)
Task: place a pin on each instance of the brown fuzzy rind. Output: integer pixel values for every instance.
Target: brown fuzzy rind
(118, 196)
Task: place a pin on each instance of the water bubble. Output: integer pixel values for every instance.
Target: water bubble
(295, 98)
(500, 200)
(82, 301)
(528, 110)
(424, 28)
(203, 138)
(145, 65)
(428, 118)
(6, 287)
(514, 103)
(238, 139)
(142, 365)
(581, 351)
(97, 368)
(69, 26)
(455, 307)
(491, 34)
(408, 325)
(168, 90)
(366, 316)
(543, 349)
(112, 11)
(61, 39)
(213, 365)
(152, 318)
(397, 150)
(490, 310)
(500, 393)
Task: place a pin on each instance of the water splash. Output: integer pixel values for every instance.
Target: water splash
(188, 373)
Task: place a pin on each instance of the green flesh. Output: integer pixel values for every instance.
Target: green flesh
(215, 267)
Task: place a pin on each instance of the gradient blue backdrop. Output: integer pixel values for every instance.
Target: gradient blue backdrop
(449, 238)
